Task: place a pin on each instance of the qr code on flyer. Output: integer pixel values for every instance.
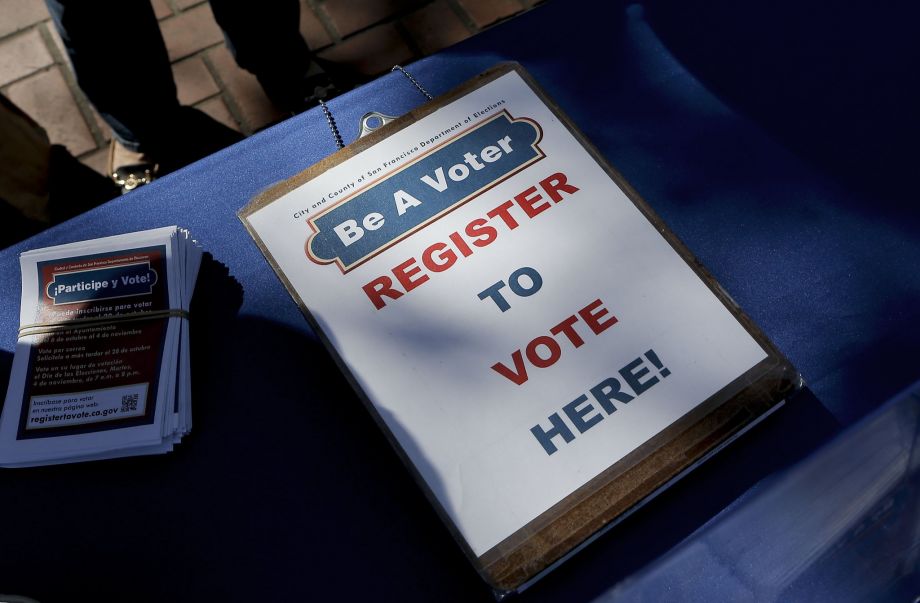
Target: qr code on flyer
(129, 403)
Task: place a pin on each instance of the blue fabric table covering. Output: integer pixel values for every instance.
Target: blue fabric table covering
(310, 502)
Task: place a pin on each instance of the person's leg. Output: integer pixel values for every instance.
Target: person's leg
(121, 64)
(265, 40)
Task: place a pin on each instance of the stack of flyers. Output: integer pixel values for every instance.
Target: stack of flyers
(102, 362)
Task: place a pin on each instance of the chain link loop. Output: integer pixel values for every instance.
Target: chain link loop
(413, 80)
(335, 130)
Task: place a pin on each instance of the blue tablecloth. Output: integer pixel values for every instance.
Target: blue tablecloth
(819, 248)
(840, 526)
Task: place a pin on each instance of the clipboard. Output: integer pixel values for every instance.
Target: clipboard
(337, 245)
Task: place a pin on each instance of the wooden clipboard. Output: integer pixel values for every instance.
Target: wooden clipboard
(609, 497)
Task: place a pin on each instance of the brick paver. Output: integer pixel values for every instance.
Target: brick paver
(355, 15)
(22, 55)
(372, 51)
(312, 29)
(217, 108)
(193, 81)
(16, 15)
(369, 35)
(486, 12)
(190, 31)
(184, 4)
(46, 97)
(161, 9)
(436, 26)
(57, 48)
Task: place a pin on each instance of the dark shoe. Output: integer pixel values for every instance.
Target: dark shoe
(190, 136)
(129, 169)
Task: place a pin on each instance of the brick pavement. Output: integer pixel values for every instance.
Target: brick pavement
(368, 35)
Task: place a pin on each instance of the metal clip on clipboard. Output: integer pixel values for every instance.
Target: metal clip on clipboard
(372, 120)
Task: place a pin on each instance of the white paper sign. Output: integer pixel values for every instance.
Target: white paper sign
(517, 322)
